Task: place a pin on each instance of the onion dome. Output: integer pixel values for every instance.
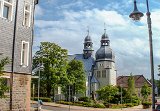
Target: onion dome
(105, 52)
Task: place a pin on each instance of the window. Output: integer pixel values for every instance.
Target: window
(27, 15)
(104, 73)
(5, 84)
(24, 53)
(98, 74)
(6, 8)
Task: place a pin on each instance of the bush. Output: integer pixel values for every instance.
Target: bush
(44, 99)
(65, 102)
(98, 105)
(87, 104)
(85, 99)
(117, 106)
(146, 103)
(129, 105)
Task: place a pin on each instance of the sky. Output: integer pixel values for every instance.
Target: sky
(65, 23)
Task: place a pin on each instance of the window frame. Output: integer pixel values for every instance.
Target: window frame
(104, 74)
(26, 62)
(25, 11)
(10, 10)
(98, 74)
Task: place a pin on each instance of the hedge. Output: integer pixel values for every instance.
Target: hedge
(44, 99)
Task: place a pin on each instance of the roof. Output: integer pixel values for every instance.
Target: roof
(139, 81)
(94, 80)
(86, 62)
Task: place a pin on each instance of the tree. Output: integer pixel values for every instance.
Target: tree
(145, 91)
(107, 93)
(131, 86)
(76, 76)
(131, 96)
(3, 87)
(117, 97)
(54, 74)
(3, 62)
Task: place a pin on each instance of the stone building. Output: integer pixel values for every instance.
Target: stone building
(16, 36)
(100, 71)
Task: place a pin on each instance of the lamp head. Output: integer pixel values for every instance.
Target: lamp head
(136, 15)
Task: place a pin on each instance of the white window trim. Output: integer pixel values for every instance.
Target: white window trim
(27, 11)
(10, 5)
(27, 58)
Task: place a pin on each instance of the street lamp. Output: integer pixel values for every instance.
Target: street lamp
(136, 15)
(39, 68)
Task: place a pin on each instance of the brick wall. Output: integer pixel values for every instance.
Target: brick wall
(21, 92)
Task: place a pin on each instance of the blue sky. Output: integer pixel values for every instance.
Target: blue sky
(65, 22)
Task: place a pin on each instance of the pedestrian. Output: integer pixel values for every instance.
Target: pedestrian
(40, 103)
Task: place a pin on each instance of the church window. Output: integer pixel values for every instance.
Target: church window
(104, 73)
(98, 74)
(25, 53)
(27, 15)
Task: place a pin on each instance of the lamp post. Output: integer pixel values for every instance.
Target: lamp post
(39, 75)
(136, 15)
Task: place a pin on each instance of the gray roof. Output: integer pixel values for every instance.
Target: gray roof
(94, 80)
(87, 62)
(87, 39)
(71, 57)
(105, 52)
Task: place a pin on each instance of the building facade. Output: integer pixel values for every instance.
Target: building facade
(16, 36)
(139, 80)
(100, 71)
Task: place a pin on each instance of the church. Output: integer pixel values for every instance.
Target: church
(99, 68)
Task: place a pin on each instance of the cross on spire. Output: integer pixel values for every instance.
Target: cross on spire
(88, 29)
(104, 27)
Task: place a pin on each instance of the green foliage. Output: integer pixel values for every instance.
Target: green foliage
(44, 99)
(145, 91)
(85, 99)
(129, 105)
(99, 105)
(65, 102)
(3, 62)
(107, 93)
(3, 87)
(133, 100)
(131, 86)
(117, 97)
(76, 75)
(146, 103)
(54, 74)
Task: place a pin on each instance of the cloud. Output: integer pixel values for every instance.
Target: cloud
(39, 11)
(129, 40)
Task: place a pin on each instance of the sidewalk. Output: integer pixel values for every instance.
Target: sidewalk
(80, 108)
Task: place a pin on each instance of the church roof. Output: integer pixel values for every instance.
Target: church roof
(87, 62)
(94, 80)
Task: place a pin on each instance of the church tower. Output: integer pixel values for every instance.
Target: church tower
(104, 70)
(88, 47)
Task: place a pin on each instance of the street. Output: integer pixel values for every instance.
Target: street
(78, 108)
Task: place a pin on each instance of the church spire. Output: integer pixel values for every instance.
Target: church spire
(88, 45)
(105, 39)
